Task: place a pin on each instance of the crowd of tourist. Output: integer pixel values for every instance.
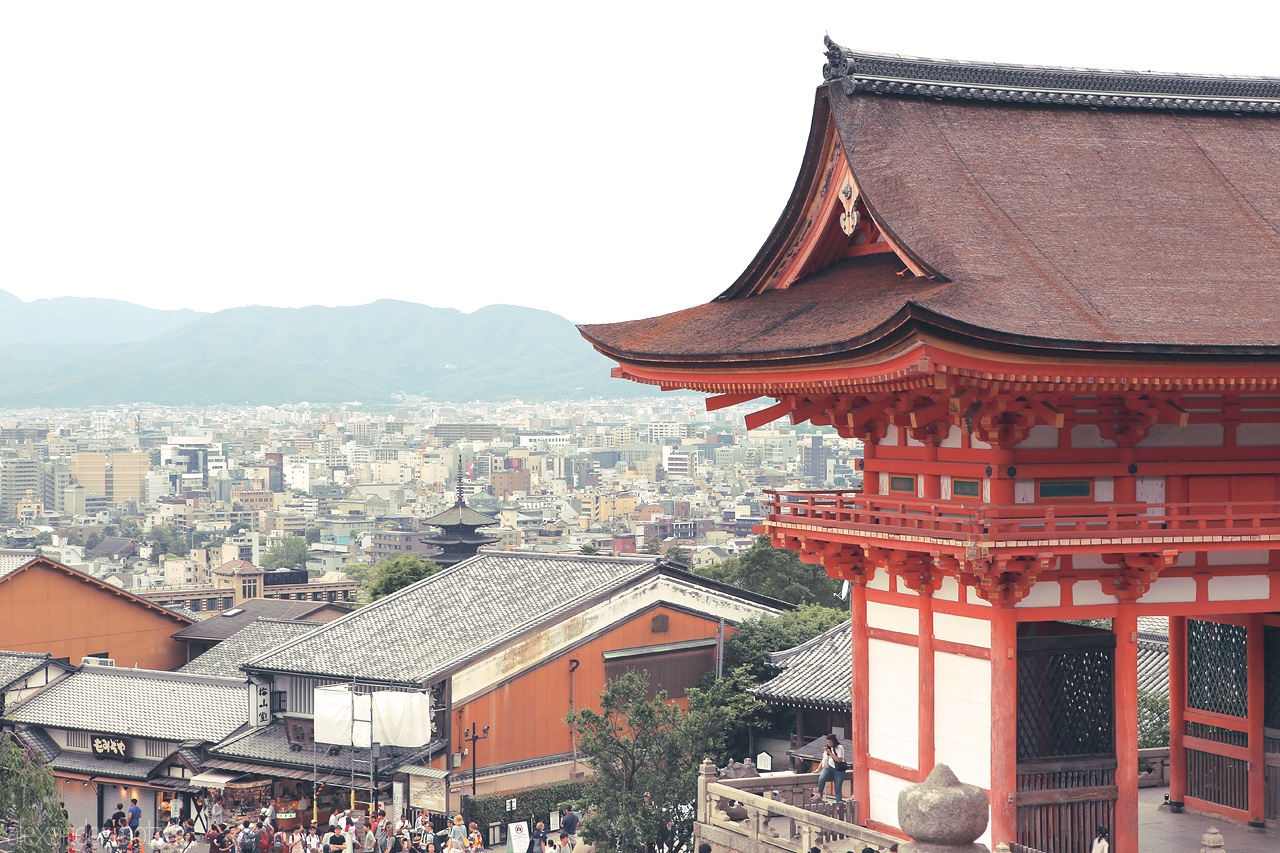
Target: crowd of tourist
(345, 832)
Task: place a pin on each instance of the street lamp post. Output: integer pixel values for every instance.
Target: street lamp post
(473, 734)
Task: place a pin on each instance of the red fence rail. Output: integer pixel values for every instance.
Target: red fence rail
(967, 522)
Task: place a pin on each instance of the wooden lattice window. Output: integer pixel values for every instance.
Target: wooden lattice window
(1051, 490)
(1271, 655)
(1217, 668)
(966, 488)
(903, 484)
(1065, 696)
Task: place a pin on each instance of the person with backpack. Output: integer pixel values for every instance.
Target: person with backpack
(250, 839)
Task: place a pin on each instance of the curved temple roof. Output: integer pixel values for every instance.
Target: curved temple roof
(1061, 211)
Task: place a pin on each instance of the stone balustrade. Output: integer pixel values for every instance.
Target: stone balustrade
(767, 814)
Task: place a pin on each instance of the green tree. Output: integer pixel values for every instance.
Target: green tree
(30, 819)
(589, 550)
(777, 573)
(289, 553)
(171, 540)
(728, 714)
(395, 573)
(129, 528)
(1153, 719)
(238, 528)
(644, 753)
(312, 535)
(652, 545)
(677, 553)
(44, 537)
(752, 641)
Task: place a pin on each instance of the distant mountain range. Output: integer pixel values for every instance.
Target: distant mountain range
(75, 351)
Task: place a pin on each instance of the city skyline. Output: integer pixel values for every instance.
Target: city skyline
(280, 156)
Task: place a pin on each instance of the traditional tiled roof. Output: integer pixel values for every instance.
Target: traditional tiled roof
(1057, 211)
(230, 621)
(83, 762)
(459, 513)
(249, 642)
(818, 673)
(139, 703)
(13, 558)
(857, 71)
(422, 631)
(15, 665)
(38, 742)
(1153, 664)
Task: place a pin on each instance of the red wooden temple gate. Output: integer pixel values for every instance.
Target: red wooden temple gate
(997, 278)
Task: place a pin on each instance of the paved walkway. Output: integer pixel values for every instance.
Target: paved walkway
(1160, 831)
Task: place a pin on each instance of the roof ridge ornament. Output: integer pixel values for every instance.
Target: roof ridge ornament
(838, 64)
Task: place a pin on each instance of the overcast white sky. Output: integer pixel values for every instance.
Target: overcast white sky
(602, 160)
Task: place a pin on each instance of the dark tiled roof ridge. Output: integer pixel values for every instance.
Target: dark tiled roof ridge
(909, 75)
(164, 675)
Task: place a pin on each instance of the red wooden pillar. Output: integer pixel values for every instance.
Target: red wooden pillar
(870, 478)
(1257, 710)
(925, 746)
(1177, 710)
(1125, 832)
(1004, 725)
(1001, 480)
(932, 481)
(859, 761)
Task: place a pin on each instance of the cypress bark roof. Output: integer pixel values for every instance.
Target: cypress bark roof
(1063, 211)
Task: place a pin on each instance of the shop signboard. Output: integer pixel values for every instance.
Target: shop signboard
(109, 746)
(259, 704)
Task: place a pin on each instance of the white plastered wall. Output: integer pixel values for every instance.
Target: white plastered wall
(893, 690)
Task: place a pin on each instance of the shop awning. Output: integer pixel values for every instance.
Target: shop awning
(213, 778)
(297, 774)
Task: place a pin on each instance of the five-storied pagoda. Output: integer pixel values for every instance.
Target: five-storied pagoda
(1048, 301)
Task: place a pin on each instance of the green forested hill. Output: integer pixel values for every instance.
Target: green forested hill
(263, 355)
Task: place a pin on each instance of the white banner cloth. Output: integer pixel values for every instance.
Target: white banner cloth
(390, 717)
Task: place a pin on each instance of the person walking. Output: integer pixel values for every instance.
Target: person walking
(831, 769)
(1101, 841)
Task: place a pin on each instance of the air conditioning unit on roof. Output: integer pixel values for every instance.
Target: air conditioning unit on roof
(97, 661)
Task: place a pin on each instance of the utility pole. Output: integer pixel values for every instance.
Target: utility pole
(473, 734)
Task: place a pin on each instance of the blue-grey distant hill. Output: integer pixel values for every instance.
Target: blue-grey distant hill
(257, 355)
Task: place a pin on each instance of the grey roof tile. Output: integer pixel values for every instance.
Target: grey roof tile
(1153, 664)
(84, 762)
(422, 630)
(249, 642)
(818, 673)
(15, 665)
(38, 742)
(139, 703)
(15, 558)
(219, 626)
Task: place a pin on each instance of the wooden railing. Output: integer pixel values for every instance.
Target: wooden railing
(965, 523)
(773, 812)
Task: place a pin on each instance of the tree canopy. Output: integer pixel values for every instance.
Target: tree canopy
(777, 573)
(645, 754)
(289, 553)
(396, 573)
(169, 539)
(30, 819)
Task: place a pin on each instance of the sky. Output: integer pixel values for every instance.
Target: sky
(604, 161)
